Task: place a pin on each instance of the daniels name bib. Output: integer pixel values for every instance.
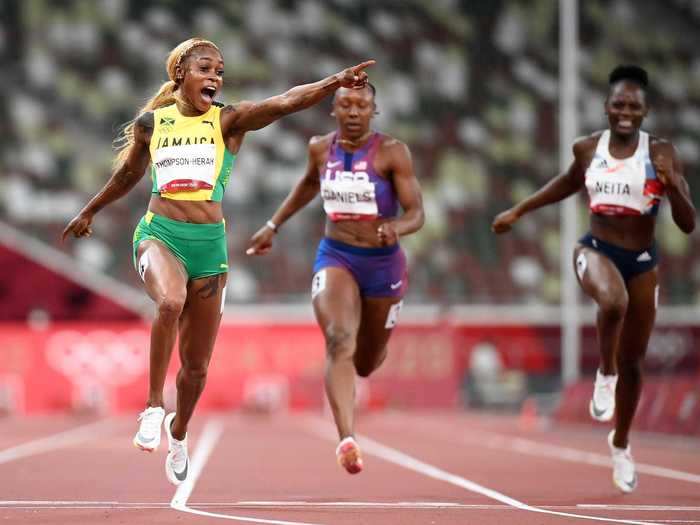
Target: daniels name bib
(348, 196)
(185, 168)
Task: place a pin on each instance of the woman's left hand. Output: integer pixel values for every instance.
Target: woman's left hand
(386, 233)
(664, 170)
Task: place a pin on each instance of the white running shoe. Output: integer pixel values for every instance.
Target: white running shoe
(349, 456)
(624, 471)
(602, 405)
(148, 436)
(177, 463)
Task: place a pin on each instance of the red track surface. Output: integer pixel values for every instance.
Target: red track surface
(283, 468)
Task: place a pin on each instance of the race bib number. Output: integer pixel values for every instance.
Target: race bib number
(581, 265)
(185, 168)
(318, 283)
(393, 316)
(351, 197)
(656, 297)
(144, 261)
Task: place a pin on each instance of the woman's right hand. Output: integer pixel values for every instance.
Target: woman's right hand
(504, 221)
(80, 226)
(261, 242)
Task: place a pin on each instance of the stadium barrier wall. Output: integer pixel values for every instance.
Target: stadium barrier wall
(267, 366)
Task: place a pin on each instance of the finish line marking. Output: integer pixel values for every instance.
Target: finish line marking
(330, 504)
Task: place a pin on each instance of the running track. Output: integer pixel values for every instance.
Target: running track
(420, 468)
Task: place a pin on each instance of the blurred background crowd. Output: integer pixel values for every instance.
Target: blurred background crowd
(470, 86)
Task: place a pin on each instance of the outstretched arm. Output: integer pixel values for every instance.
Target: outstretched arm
(303, 192)
(249, 116)
(408, 192)
(559, 188)
(120, 183)
(669, 169)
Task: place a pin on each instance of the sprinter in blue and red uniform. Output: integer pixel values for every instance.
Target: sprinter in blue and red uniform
(626, 173)
(360, 273)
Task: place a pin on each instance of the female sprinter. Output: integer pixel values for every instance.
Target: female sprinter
(626, 172)
(180, 244)
(360, 271)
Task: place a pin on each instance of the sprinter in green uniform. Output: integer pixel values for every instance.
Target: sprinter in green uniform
(180, 251)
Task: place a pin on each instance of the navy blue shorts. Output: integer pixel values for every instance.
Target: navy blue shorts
(629, 262)
(379, 272)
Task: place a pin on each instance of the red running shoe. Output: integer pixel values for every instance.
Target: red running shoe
(349, 455)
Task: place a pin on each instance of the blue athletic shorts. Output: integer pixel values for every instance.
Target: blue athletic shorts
(379, 272)
(629, 262)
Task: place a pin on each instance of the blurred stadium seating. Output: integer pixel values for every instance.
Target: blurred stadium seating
(470, 86)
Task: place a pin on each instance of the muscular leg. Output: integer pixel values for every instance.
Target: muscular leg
(636, 331)
(338, 311)
(166, 283)
(199, 325)
(373, 336)
(601, 280)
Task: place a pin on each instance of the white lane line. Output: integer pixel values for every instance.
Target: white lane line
(665, 508)
(242, 518)
(534, 448)
(205, 446)
(321, 428)
(62, 439)
(337, 504)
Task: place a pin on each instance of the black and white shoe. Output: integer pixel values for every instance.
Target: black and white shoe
(602, 405)
(148, 436)
(624, 471)
(178, 462)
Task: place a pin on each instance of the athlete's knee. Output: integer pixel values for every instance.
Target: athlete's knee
(613, 306)
(195, 373)
(170, 306)
(339, 343)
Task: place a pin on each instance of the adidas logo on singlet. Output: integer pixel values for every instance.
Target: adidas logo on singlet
(644, 257)
(603, 164)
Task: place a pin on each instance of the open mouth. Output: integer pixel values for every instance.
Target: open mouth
(625, 124)
(208, 93)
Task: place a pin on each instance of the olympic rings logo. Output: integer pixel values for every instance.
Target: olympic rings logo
(107, 357)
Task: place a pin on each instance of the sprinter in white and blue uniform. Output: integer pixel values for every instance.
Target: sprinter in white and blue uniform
(360, 273)
(626, 173)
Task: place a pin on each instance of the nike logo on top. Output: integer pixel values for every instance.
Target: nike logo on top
(596, 412)
(333, 164)
(632, 484)
(182, 475)
(394, 286)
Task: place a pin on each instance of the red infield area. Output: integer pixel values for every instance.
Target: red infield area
(420, 468)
